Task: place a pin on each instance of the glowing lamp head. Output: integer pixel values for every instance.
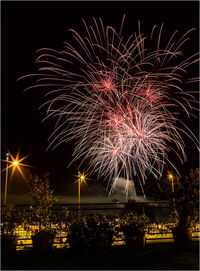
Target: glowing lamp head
(15, 163)
(170, 176)
(82, 177)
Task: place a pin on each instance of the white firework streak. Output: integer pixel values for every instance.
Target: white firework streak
(120, 101)
(129, 145)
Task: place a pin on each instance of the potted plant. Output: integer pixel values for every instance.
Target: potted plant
(133, 226)
(106, 232)
(91, 233)
(77, 236)
(41, 213)
(10, 219)
(100, 232)
(186, 209)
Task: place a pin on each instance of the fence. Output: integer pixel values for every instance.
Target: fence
(158, 211)
(157, 231)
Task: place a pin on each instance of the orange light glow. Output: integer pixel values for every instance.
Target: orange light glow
(15, 163)
(170, 176)
(82, 177)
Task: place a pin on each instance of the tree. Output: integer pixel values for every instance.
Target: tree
(42, 200)
(187, 199)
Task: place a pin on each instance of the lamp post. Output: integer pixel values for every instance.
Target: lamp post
(79, 190)
(6, 183)
(171, 177)
(15, 163)
(81, 179)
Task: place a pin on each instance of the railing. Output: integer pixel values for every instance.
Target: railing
(158, 230)
(155, 233)
(158, 211)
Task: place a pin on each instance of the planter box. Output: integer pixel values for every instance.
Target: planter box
(8, 245)
(42, 243)
(137, 241)
(182, 236)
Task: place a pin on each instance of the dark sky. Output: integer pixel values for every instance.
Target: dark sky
(28, 26)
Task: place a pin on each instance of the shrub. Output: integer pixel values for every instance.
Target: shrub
(186, 197)
(132, 223)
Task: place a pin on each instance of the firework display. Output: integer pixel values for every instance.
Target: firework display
(120, 98)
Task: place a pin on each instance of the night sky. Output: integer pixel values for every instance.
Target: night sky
(28, 26)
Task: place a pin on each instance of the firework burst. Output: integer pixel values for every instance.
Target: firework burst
(118, 98)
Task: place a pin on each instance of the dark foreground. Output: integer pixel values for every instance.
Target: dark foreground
(160, 256)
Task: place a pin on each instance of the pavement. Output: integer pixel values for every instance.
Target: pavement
(155, 256)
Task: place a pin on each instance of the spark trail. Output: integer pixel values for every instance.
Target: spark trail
(120, 99)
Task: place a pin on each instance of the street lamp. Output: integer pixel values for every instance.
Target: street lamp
(171, 178)
(14, 163)
(81, 179)
(79, 190)
(6, 183)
